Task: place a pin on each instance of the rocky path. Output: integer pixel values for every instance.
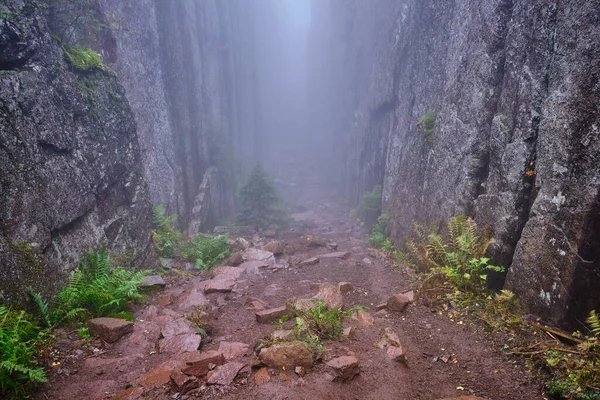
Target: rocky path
(237, 304)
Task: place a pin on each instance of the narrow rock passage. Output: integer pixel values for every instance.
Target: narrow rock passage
(159, 359)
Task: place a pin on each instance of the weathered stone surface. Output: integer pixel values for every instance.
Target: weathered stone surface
(345, 287)
(345, 368)
(337, 254)
(253, 267)
(71, 170)
(235, 259)
(283, 334)
(396, 353)
(179, 344)
(195, 298)
(387, 337)
(262, 376)
(183, 383)
(305, 304)
(197, 364)
(286, 355)
(509, 164)
(153, 282)
(276, 247)
(224, 374)
(227, 272)
(330, 295)
(180, 326)
(110, 329)
(349, 332)
(271, 315)
(364, 318)
(253, 254)
(161, 374)
(167, 263)
(410, 295)
(232, 350)
(398, 302)
(218, 285)
(310, 261)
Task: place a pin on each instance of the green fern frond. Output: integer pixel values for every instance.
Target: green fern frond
(42, 306)
(594, 321)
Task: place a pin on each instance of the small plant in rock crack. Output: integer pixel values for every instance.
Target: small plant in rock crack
(205, 251)
(320, 322)
(200, 317)
(427, 121)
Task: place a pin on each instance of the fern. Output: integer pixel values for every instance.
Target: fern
(206, 252)
(594, 321)
(42, 306)
(167, 240)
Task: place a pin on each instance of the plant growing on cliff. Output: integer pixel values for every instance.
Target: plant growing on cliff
(167, 239)
(86, 59)
(19, 371)
(369, 206)
(260, 202)
(427, 122)
(205, 252)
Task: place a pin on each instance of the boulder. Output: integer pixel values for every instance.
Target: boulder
(310, 261)
(330, 295)
(183, 383)
(231, 350)
(224, 374)
(271, 315)
(110, 329)
(287, 355)
(345, 368)
(398, 302)
(262, 376)
(218, 285)
(198, 363)
(153, 282)
(276, 247)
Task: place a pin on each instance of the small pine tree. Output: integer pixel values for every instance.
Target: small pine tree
(259, 201)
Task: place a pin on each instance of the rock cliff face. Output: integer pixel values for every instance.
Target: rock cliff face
(514, 85)
(71, 175)
(188, 71)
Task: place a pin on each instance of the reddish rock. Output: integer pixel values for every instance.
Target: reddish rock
(364, 318)
(345, 368)
(218, 285)
(262, 376)
(397, 353)
(179, 344)
(196, 298)
(337, 254)
(161, 374)
(227, 272)
(183, 383)
(235, 259)
(253, 267)
(197, 364)
(398, 302)
(110, 329)
(257, 305)
(387, 337)
(178, 327)
(330, 295)
(231, 350)
(287, 355)
(305, 304)
(410, 295)
(345, 287)
(253, 254)
(310, 261)
(276, 247)
(349, 332)
(270, 315)
(224, 374)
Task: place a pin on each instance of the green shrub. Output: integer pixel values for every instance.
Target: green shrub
(19, 371)
(260, 202)
(86, 59)
(378, 238)
(427, 121)
(98, 290)
(167, 239)
(205, 252)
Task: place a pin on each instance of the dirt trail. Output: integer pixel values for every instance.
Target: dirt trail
(474, 366)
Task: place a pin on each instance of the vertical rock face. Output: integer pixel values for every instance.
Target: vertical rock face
(188, 76)
(71, 175)
(514, 88)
